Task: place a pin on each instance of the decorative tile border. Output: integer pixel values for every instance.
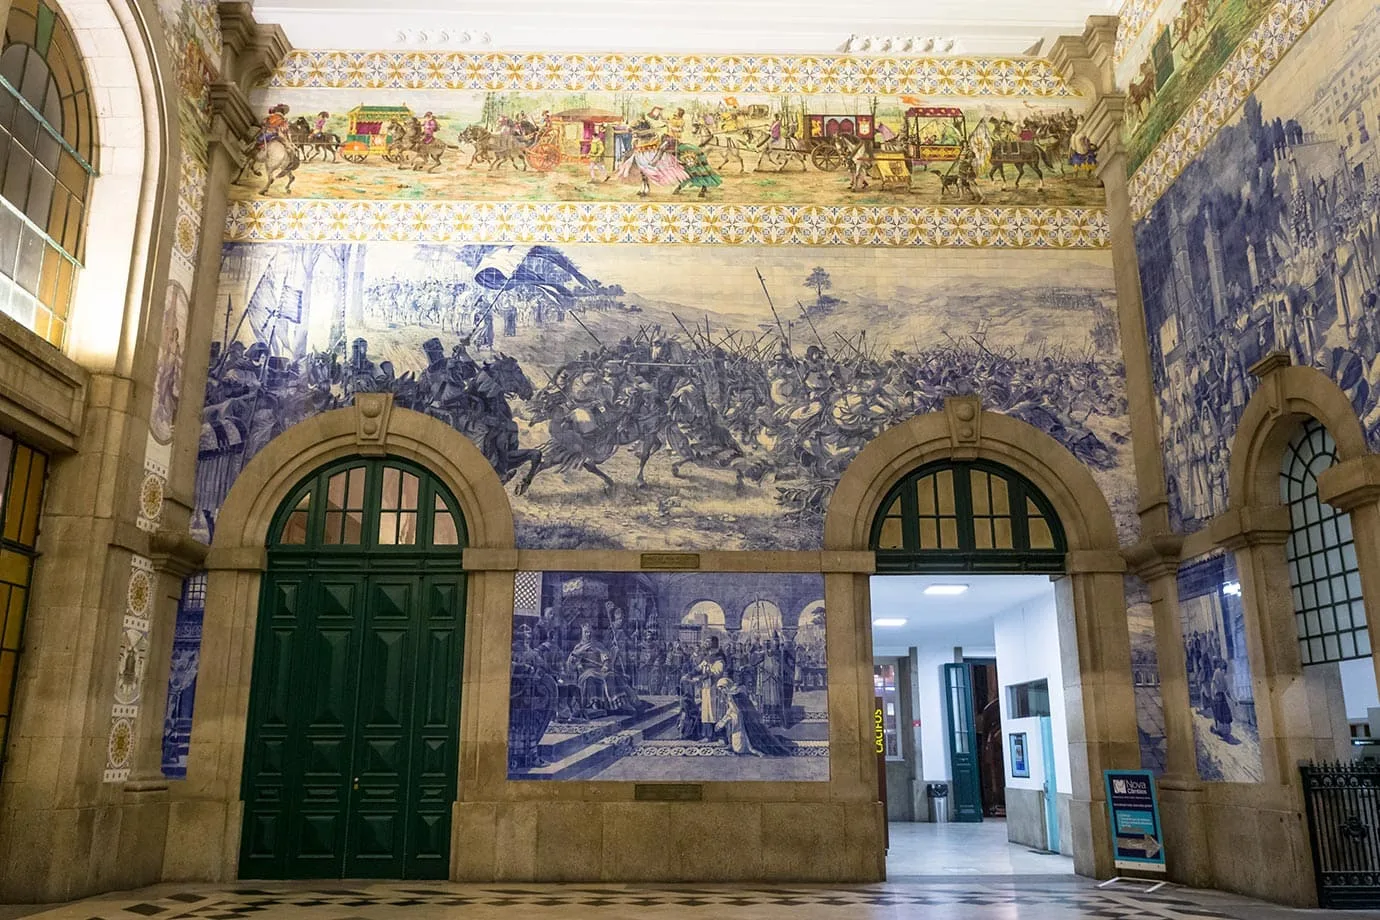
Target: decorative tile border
(1250, 64)
(654, 73)
(648, 223)
(1134, 15)
(130, 663)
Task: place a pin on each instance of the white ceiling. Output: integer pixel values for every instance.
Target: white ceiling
(964, 619)
(704, 26)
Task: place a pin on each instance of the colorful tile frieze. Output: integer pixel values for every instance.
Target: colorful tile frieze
(512, 72)
(707, 224)
(1134, 15)
(1244, 70)
(131, 662)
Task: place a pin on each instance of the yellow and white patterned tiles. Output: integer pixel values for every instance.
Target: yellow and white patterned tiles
(662, 73)
(1133, 17)
(1252, 61)
(650, 223)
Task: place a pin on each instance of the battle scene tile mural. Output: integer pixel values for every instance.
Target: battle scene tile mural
(702, 676)
(664, 397)
(1268, 242)
(1219, 671)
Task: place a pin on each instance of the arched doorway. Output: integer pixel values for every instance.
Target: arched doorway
(351, 744)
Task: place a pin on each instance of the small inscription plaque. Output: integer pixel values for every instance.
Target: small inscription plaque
(671, 561)
(668, 792)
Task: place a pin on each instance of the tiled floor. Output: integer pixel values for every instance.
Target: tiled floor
(950, 872)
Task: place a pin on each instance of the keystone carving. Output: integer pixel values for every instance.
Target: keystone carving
(372, 411)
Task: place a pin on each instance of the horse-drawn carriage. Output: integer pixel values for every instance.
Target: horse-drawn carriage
(369, 136)
(831, 139)
(934, 135)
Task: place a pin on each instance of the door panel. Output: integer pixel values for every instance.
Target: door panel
(963, 743)
(1051, 784)
(352, 753)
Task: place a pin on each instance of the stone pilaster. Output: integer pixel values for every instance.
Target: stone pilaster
(1086, 61)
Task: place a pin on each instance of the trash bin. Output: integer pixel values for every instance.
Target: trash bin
(938, 794)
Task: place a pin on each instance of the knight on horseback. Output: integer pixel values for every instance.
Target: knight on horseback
(273, 127)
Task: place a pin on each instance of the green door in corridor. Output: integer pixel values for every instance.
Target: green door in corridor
(352, 744)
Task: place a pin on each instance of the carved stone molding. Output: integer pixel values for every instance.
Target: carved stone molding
(255, 49)
(1087, 60)
(965, 424)
(1351, 484)
(175, 552)
(1155, 556)
(372, 411)
(232, 119)
(1259, 525)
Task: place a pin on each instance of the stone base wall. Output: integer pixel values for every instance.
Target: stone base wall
(1025, 817)
(668, 841)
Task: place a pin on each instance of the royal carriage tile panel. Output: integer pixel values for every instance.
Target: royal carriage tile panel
(1164, 135)
(711, 73)
(1268, 242)
(690, 677)
(647, 223)
(631, 145)
(664, 397)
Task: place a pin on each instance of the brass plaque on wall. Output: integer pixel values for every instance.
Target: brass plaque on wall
(668, 792)
(665, 561)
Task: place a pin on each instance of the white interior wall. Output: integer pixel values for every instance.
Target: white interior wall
(1358, 687)
(1027, 639)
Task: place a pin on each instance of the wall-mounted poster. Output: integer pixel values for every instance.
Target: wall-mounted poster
(687, 676)
(1020, 763)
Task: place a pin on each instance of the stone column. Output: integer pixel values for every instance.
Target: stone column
(1156, 562)
(1088, 63)
(1098, 694)
(1284, 709)
(1353, 486)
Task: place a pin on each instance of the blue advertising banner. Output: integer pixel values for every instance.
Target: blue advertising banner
(1135, 816)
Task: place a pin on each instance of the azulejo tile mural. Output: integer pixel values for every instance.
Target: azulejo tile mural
(1219, 672)
(668, 676)
(1268, 242)
(626, 145)
(707, 224)
(1162, 146)
(630, 398)
(710, 73)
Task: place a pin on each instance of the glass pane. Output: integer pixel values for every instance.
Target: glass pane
(924, 495)
(30, 261)
(409, 492)
(1003, 535)
(33, 500)
(41, 184)
(948, 533)
(335, 521)
(407, 528)
(944, 481)
(388, 527)
(444, 531)
(354, 527)
(1040, 535)
(982, 533)
(979, 487)
(17, 175)
(335, 491)
(295, 530)
(1001, 503)
(356, 489)
(929, 533)
(14, 619)
(890, 535)
(391, 479)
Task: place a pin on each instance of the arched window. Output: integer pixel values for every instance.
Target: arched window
(47, 152)
(967, 517)
(357, 505)
(22, 475)
(1328, 609)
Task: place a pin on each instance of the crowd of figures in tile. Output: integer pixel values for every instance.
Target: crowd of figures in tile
(1270, 241)
(781, 408)
(612, 658)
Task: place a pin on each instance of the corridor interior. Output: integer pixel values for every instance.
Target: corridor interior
(971, 726)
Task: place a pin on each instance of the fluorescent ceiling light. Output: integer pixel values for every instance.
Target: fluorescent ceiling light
(946, 589)
(889, 621)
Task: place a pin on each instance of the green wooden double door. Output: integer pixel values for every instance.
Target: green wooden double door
(350, 770)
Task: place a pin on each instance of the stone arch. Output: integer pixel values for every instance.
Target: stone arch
(129, 215)
(265, 481)
(236, 561)
(1286, 398)
(1094, 635)
(964, 431)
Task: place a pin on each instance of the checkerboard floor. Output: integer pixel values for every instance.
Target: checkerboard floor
(1011, 898)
